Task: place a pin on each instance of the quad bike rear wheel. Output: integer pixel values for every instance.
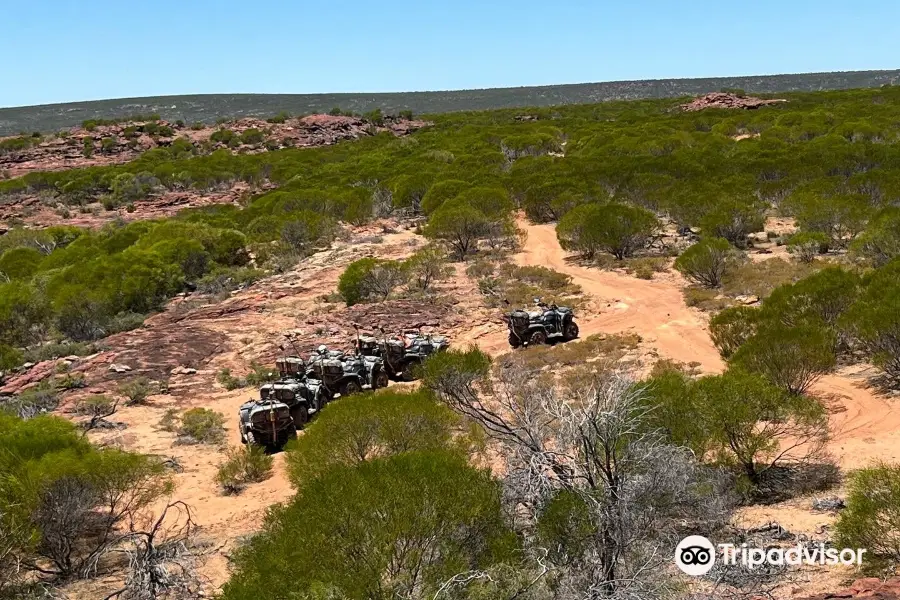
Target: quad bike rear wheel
(571, 331)
(300, 415)
(409, 370)
(514, 340)
(537, 338)
(381, 380)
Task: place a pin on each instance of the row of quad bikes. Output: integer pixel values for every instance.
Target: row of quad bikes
(305, 387)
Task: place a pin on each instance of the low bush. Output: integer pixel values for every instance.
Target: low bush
(707, 261)
(136, 391)
(871, 519)
(229, 381)
(203, 426)
(806, 245)
(370, 279)
(244, 465)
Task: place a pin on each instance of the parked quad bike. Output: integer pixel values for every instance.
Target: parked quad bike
(266, 423)
(298, 396)
(336, 373)
(402, 357)
(547, 324)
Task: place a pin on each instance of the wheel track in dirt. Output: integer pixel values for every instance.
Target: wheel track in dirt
(865, 424)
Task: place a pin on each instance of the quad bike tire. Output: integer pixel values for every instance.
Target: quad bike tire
(381, 380)
(409, 370)
(300, 414)
(537, 338)
(350, 388)
(514, 340)
(571, 331)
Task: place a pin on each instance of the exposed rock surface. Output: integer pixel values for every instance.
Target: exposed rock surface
(726, 100)
(871, 588)
(113, 144)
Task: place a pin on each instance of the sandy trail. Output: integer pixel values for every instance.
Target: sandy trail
(865, 425)
(654, 309)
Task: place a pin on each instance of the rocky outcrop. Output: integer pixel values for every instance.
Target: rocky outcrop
(871, 588)
(123, 142)
(726, 100)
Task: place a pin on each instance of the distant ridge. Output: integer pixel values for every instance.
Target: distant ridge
(208, 107)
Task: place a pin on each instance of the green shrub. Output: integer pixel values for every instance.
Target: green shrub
(369, 279)
(707, 261)
(792, 358)
(229, 381)
(136, 390)
(371, 529)
(734, 219)
(614, 228)
(806, 245)
(732, 327)
(71, 497)
(871, 519)
(248, 464)
(368, 426)
(203, 426)
(252, 136)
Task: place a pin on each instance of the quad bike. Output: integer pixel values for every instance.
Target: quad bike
(327, 376)
(547, 324)
(294, 393)
(369, 368)
(266, 423)
(402, 357)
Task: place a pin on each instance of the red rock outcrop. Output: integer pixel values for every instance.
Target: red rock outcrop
(112, 144)
(726, 100)
(870, 587)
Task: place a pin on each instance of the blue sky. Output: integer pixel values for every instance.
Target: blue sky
(69, 50)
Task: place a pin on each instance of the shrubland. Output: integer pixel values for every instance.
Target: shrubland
(605, 172)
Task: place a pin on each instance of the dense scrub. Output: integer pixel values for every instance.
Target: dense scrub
(830, 159)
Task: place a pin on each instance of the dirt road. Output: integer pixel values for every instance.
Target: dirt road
(654, 309)
(865, 425)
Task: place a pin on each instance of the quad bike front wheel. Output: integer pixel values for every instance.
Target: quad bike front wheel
(514, 340)
(350, 388)
(537, 338)
(571, 331)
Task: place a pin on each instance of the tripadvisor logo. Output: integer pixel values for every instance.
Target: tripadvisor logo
(695, 555)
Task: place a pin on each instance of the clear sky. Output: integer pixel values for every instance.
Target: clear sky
(69, 50)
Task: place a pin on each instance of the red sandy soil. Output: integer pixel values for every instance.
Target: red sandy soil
(250, 325)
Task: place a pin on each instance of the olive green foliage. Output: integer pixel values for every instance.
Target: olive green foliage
(874, 319)
(62, 500)
(792, 358)
(202, 425)
(737, 418)
(618, 229)
(365, 427)
(806, 245)
(840, 217)
(707, 261)
(137, 390)
(440, 192)
(242, 466)
(390, 527)
(880, 243)
(426, 267)
(733, 219)
(370, 279)
(871, 519)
